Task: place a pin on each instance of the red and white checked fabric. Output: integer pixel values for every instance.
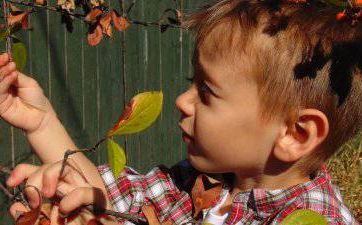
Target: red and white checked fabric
(167, 190)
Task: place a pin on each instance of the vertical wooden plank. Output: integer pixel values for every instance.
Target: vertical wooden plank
(90, 93)
(73, 83)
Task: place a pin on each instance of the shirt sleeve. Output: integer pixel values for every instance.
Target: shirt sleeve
(132, 190)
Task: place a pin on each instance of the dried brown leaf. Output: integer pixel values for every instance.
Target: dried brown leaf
(204, 193)
(105, 23)
(28, 218)
(150, 215)
(68, 5)
(93, 15)
(120, 23)
(95, 36)
(44, 221)
(96, 3)
(17, 17)
(40, 2)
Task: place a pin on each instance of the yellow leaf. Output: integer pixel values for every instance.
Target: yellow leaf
(116, 157)
(139, 114)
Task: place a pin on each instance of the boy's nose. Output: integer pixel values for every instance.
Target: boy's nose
(185, 102)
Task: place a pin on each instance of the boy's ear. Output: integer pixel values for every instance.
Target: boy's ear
(303, 137)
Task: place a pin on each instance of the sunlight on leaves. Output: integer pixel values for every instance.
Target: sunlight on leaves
(139, 114)
(116, 157)
(120, 23)
(304, 217)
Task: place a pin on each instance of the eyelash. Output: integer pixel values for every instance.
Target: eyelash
(202, 88)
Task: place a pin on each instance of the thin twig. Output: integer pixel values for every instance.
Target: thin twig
(82, 16)
(50, 8)
(6, 191)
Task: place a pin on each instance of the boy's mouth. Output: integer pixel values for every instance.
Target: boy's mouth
(185, 136)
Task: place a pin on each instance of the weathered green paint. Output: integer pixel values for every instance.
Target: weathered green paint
(88, 86)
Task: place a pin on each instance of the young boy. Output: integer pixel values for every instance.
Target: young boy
(276, 91)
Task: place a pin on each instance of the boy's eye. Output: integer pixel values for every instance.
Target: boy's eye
(204, 91)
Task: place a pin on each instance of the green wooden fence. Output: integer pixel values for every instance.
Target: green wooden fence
(88, 86)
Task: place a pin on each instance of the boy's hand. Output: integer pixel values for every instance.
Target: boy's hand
(71, 187)
(22, 102)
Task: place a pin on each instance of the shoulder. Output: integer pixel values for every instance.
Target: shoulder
(327, 200)
(322, 196)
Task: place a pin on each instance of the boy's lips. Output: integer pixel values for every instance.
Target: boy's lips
(185, 136)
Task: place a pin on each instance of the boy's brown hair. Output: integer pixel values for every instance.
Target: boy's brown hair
(301, 56)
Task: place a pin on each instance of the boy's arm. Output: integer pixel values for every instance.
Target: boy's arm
(50, 143)
(23, 105)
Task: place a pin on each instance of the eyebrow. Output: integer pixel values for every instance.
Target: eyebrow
(202, 72)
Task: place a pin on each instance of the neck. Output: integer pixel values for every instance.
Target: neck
(282, 180)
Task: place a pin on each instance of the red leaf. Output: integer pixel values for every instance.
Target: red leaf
(120, 23)
(201, 197)
(93, 15)
(44, 221)
(28, 218)
(19, 17)
(96, 36)
(124, 117)
(105, 23)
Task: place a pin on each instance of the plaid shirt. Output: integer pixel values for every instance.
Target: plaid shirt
(167, 190)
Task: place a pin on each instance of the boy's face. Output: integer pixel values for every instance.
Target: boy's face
(220, 119)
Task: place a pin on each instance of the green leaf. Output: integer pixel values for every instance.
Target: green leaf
(304, 217)
(116, 157)
(3, 35)
(19, 55)
(139, 114)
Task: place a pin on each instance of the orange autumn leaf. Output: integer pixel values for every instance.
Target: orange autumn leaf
(40, 2)
(105, 23)
(127, 112)
(44, 221)
(358, 2)
(95, 36)
(150, 215)
(93, 15)
(204, 193)
(28, 218)
(19, 17)
(120, 23)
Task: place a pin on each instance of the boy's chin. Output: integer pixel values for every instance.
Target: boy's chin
(201, 165)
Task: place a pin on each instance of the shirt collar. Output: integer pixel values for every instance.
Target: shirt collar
(269, 201)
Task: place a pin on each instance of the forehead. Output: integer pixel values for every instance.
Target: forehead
(218, 67)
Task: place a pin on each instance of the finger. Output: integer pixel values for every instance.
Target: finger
(51, 177)
(25, 81)
(54, 216)
(4, 59)
(80, 197)
(20, 173)
(7, 69)
(17, 207)
(7, 81)
(33, 188)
